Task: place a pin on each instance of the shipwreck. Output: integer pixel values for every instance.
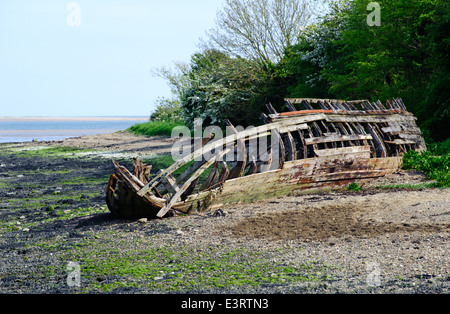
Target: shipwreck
(326, 145)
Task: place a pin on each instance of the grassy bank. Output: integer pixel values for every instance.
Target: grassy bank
(154, 128)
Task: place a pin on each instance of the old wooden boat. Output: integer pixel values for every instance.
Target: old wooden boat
(328, 144)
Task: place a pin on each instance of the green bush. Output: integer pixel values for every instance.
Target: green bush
(167, 110)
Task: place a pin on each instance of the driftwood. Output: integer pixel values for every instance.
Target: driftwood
(329, 144)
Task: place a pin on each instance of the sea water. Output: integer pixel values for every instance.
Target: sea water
(27, 129)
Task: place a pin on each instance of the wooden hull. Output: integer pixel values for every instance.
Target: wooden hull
(299, 176)
(317, 150)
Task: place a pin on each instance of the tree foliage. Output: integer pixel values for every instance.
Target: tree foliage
(224, 87)
(406, 56)
(265, 50)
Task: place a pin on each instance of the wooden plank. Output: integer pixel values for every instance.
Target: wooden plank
(368, 118)
(302, 118)
(297, 176)
(414, 137)
(343, 151)
(400, 129)
(303, 112)
(293, 128)
(337, 138)
(316, 100)
(400, 142)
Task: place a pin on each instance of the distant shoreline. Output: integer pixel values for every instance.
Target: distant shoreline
(17, 119)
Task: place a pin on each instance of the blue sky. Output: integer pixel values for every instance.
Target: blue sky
(101, 67)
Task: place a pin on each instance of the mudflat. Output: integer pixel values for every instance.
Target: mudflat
(381, 239)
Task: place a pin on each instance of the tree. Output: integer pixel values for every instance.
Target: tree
(261, 29)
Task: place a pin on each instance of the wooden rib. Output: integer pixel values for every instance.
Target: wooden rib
(189, 190)
(170, 183)
(211, 177)
(175, 198)
(378, 141)
(264, 166)
(345, 106)
(333, 105)
(389, 105)
(381, 106)
(271, 108)
(290, 106)
(297, 135)
(400, 102)
(307, 105)
(289, 144)
(223, 173)
(141, 170)
(351, 106)
(252, 166)
(281, 148)
(238, 169)
(325, 106)
(197, 164)
(135, 185)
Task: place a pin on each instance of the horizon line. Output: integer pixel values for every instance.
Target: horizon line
(71, 118)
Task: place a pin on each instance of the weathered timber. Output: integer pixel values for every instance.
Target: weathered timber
(241, 155)
(310, 150)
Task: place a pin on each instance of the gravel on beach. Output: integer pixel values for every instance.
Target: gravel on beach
(370, 241)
